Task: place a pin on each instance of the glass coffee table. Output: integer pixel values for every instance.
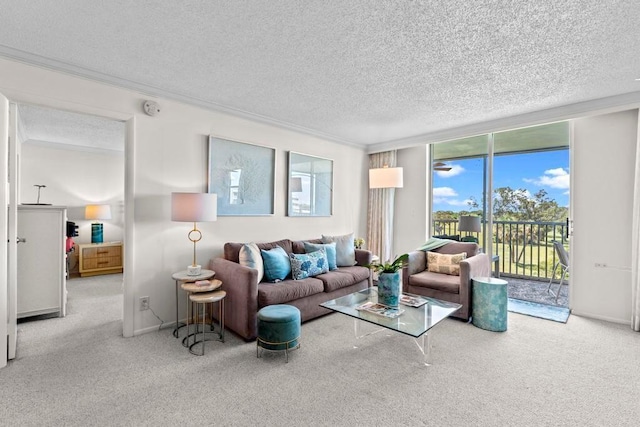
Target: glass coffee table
(414, 321)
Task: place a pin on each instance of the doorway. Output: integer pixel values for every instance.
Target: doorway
(71, 160)
(526, 172)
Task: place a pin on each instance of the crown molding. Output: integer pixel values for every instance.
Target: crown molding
(73, 147)
(144, 89)
(605, 105)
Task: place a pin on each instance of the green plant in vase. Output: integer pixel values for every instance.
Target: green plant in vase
(389, 280)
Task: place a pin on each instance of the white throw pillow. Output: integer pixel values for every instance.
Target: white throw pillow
(251, 257)
(345, 249)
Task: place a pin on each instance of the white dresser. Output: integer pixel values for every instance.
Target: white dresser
(42, 283)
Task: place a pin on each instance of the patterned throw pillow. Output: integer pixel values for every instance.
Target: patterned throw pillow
(308, 265)
(276, 264)
(345, 249)
(329, 247)
(251, 257)
(442, 263)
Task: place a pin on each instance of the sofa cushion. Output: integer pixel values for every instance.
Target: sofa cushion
(298, 245)
(330, 248)
(276, 264)
(308, 265)
(251, 257)
(232, 250)
(336, 280)
(444, 263)
(358, 273)
(438, 281)
(287, 290)
(345, 249)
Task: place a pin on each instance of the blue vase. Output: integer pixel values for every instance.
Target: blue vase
(389, 289)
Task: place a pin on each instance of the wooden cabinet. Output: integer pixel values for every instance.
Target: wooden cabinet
(41, 282)
(100, 258)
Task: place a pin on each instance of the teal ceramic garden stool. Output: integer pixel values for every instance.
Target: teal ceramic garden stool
(278, 329)
(489, 303)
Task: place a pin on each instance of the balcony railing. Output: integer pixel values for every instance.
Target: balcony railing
(525, 248)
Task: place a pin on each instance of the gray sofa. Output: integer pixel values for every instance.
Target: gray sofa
(416, 279)
(245, 296)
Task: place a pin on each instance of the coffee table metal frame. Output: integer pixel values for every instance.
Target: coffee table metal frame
(414, 321)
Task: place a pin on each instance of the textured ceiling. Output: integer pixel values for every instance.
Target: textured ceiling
(357, 71)
(44, 125)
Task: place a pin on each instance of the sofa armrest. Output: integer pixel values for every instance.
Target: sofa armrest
(476, 266)
(416, 263)
(363, 257)
(241, 303)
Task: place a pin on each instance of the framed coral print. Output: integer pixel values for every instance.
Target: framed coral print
(243, 177)
(310, 191)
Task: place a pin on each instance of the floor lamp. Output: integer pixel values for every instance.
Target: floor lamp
(97, 212)
(194, 207)
(385, 177)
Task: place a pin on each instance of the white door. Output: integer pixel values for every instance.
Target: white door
(4, 199)
(13, 238)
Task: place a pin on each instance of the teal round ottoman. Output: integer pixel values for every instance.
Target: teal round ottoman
(278, 328)
(489, 303)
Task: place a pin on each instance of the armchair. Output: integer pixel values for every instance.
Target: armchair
(417, 280)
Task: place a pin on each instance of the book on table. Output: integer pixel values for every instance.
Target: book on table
(412, 300)
(380, 309)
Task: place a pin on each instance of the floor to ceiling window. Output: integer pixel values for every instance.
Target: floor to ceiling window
(529, 177)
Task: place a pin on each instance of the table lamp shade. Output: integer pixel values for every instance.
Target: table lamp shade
(194, 207)
(385, 177)
(97, 212)
(469, 223)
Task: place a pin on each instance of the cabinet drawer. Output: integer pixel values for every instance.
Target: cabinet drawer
(100, 262)
(101, 252)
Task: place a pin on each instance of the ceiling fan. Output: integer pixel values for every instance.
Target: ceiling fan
(439, 166)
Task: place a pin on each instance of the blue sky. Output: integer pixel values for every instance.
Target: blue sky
(547, 170)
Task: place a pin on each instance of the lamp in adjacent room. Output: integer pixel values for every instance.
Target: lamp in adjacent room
(470, 224)
(97, 212)
(194, 207)
(385, 177)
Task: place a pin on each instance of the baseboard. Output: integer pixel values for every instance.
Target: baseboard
(599, 317)
(153, 328)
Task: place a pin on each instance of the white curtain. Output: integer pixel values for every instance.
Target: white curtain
(380, 210)
(635, 245)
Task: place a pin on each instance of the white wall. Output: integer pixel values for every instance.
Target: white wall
(169, 154)
(603, 165)
(75, 179)
(411, 216)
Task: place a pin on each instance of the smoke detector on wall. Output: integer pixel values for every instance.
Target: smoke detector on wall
(151, 108)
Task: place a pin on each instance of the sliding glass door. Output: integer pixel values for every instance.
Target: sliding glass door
(526, 173)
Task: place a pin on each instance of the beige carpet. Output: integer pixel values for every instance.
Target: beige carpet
(80, 371)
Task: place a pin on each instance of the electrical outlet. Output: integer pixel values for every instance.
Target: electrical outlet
(144, 303)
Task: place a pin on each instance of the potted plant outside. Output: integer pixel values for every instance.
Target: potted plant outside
(389, 280)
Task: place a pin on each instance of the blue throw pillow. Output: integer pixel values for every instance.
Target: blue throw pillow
(308, 265)
(330, 248)
(276, 264)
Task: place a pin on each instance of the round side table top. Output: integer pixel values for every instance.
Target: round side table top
(208, 297)
(183, 276)
(490, 280)
(192, 287)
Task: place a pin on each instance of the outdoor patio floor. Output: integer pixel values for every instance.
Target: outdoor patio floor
(536, 291)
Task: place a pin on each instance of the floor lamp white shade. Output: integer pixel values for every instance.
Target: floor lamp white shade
(194, 207)
(385, 177)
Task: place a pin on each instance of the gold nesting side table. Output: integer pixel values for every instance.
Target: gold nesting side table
(182, 277)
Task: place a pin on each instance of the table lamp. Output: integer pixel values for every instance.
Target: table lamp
(470, 224)
(99, 212)
(194, 207)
